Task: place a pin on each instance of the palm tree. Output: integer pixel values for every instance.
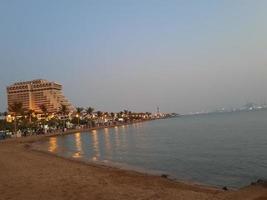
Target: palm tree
(5, 113)
(31, 119)
(44, 110)
(89, 111)
(125, 112)
(30, 112)
(119, 114)
(99, 114)
(64, 111)
(79, 112)
(148, 114)
(16, 109)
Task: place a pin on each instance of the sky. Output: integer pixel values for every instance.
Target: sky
(182, 55)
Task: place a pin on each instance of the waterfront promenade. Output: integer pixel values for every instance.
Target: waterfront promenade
(29, 174)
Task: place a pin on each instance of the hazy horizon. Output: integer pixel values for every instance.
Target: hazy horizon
(184, 56)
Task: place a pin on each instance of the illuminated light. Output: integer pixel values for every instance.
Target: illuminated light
(9, 118)
(76, 155)
(94, 158)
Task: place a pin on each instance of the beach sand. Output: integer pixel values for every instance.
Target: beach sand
(29, 174)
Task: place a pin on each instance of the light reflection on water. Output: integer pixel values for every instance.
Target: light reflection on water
(223, 149)
(52, 144)
(78, 144)
(117, 140)
(107, 142)
(95, 145)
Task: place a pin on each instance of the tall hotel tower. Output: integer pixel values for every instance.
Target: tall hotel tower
(33, 94)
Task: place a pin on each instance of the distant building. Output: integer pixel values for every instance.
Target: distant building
(33, 94)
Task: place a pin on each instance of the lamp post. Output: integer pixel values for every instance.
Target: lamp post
(78, 117)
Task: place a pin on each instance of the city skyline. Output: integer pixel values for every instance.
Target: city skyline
(113, 55)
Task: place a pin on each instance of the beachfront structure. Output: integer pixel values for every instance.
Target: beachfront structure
(33, 94)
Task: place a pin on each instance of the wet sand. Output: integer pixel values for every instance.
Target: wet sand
(29, 174)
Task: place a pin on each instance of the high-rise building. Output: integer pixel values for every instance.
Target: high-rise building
(33, 94)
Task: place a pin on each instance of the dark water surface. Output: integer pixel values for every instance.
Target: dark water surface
(227, 149)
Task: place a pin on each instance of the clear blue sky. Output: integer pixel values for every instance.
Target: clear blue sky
(137, 54)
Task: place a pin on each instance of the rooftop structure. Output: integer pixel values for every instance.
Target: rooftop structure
(33, 94)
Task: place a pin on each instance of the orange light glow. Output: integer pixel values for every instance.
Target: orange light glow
(52, 144)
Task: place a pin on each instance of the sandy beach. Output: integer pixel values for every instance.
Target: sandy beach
(29, 174)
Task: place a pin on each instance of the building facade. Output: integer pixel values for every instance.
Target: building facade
(33, 94)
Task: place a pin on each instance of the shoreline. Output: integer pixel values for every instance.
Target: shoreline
(112, 166)
(118, 166)
(71, 131)
(49, 168)
(127, 168)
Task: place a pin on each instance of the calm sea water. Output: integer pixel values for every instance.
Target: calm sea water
(227, 149)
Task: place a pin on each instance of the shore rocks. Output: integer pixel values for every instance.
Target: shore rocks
(225, 188)
(164, 175)
(262, 182)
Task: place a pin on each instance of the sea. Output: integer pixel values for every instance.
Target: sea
(219, 149)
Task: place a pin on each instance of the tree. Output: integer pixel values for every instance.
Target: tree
(89, 111)
(79, 112)
(119, 114)
(44, 109)
(148, 114)
(99, 114)
(125, 112)
(112, 115)
(16, 109)
(53, 122)
(63, 110)
(29, 115)
(5, 113)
